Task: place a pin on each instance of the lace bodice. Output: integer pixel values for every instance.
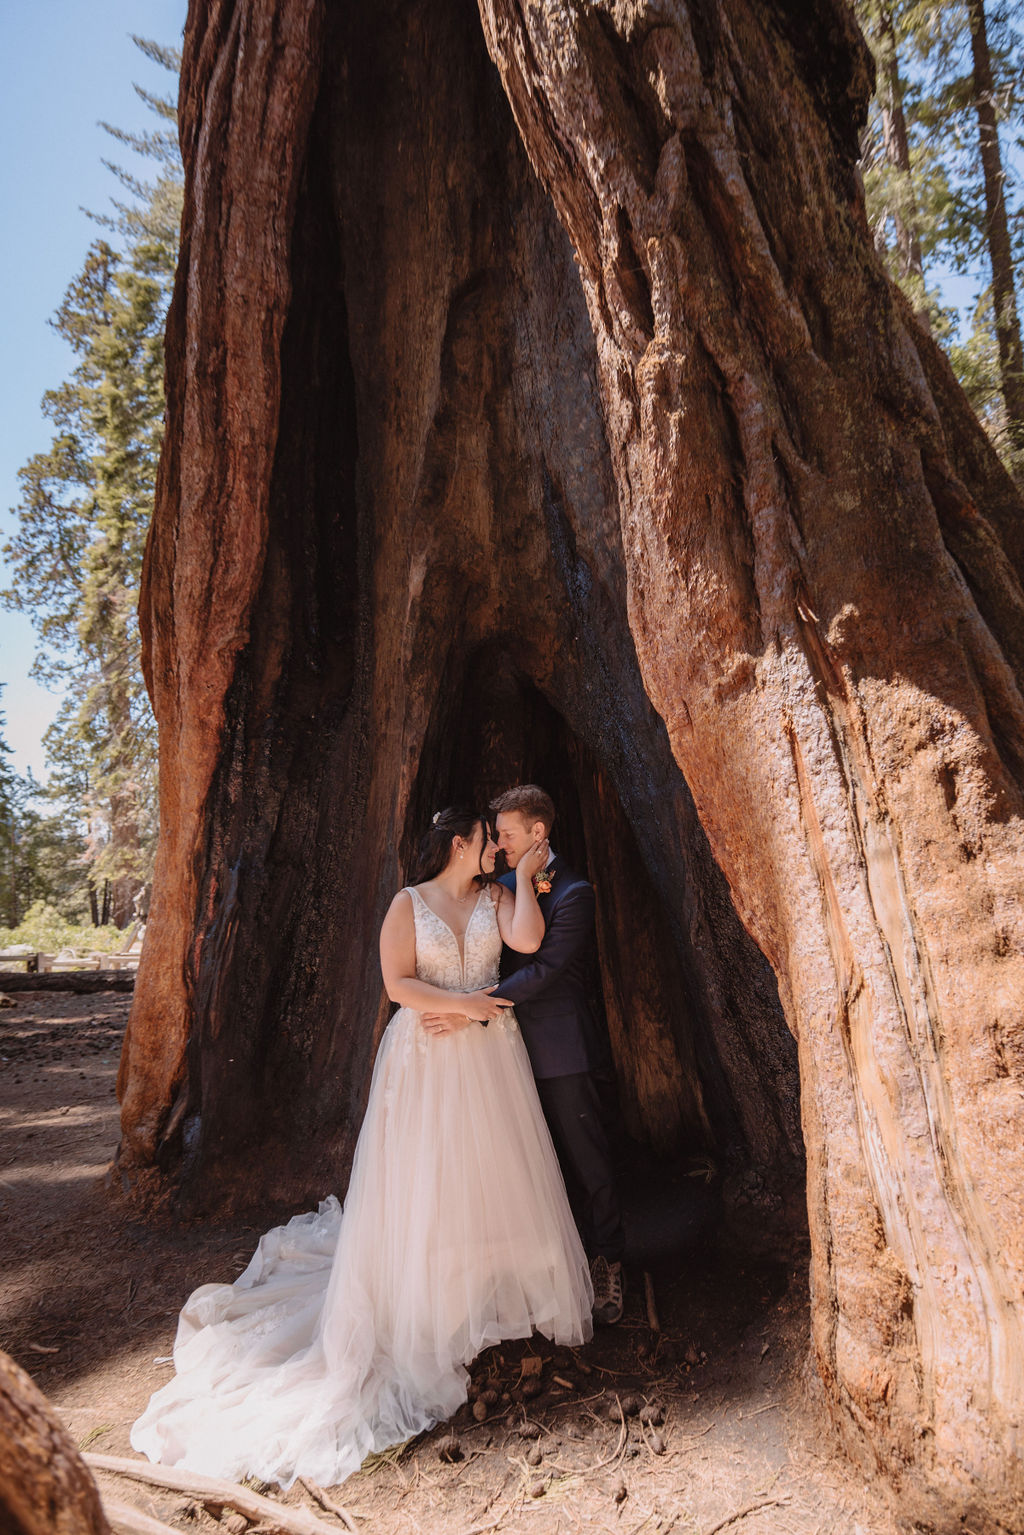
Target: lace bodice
(438, 960)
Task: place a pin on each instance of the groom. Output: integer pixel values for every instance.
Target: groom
(568, 1048)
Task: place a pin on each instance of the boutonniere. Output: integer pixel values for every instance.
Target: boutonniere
(542, 881)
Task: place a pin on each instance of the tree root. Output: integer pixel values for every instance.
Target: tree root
(126, 1519)
(208, 1489)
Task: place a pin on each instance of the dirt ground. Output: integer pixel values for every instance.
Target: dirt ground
(88, 1305)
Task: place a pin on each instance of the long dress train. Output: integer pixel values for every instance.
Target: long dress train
(350, 1329)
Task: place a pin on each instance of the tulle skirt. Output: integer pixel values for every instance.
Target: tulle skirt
(350, 1330)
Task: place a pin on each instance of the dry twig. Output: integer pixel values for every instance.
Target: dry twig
(478, 1529)
(600, 1464)
(741, 1513)
(319, 1496)
(652, 1310)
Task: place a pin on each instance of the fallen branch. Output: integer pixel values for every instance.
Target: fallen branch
(328, 1504)
(126, 1519)
(209, 1489)
(741, 1513)
(69, 980)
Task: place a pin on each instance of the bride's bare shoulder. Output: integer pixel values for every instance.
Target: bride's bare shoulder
(401, 907)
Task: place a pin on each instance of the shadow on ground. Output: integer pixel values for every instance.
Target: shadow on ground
(711, 1418)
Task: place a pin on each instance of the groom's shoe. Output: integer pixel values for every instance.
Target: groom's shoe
(609, 1291)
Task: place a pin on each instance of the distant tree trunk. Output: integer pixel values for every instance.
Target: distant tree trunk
(997, 230)
(454, 490)
(897, 142)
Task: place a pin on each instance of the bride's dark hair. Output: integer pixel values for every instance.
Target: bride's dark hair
(435, 847)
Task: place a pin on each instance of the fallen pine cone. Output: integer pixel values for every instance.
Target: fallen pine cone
(480, 1410)
(489, 1395)
(449, 1450)
(657, 1443)
(652, 1415)
(534, 1455)
(538, 1490)
(621, 1493)
(631, 1405)
(528, 1431)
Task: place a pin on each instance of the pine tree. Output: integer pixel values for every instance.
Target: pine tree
(85, 507)
(949, 75)
(997, 230)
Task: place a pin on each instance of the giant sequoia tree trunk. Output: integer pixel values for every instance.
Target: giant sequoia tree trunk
(465, 468)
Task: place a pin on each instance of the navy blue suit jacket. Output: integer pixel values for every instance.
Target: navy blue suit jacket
(549, 987)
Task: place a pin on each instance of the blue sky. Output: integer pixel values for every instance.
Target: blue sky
(66, 64)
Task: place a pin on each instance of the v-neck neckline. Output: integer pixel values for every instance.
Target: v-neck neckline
(461, 947)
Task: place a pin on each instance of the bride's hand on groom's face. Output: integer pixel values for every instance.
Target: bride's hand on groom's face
(535, 859)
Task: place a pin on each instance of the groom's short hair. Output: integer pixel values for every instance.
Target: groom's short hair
(532, 802)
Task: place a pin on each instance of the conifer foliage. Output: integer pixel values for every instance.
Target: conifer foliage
(85, 507)
(943, 153)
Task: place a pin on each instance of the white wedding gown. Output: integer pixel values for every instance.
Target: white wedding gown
(350, 1329)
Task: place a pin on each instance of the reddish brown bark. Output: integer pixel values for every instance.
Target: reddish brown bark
(385, 574)
(837, 661)
(452, 493)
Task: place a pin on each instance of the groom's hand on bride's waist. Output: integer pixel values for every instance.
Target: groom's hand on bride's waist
(481, 1007)
(444, 1023)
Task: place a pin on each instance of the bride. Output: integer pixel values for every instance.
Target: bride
(350, 1329)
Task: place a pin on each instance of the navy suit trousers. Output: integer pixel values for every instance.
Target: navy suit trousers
(580, 1110)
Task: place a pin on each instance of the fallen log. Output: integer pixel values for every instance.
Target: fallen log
(44, 1487)
(68, 980)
